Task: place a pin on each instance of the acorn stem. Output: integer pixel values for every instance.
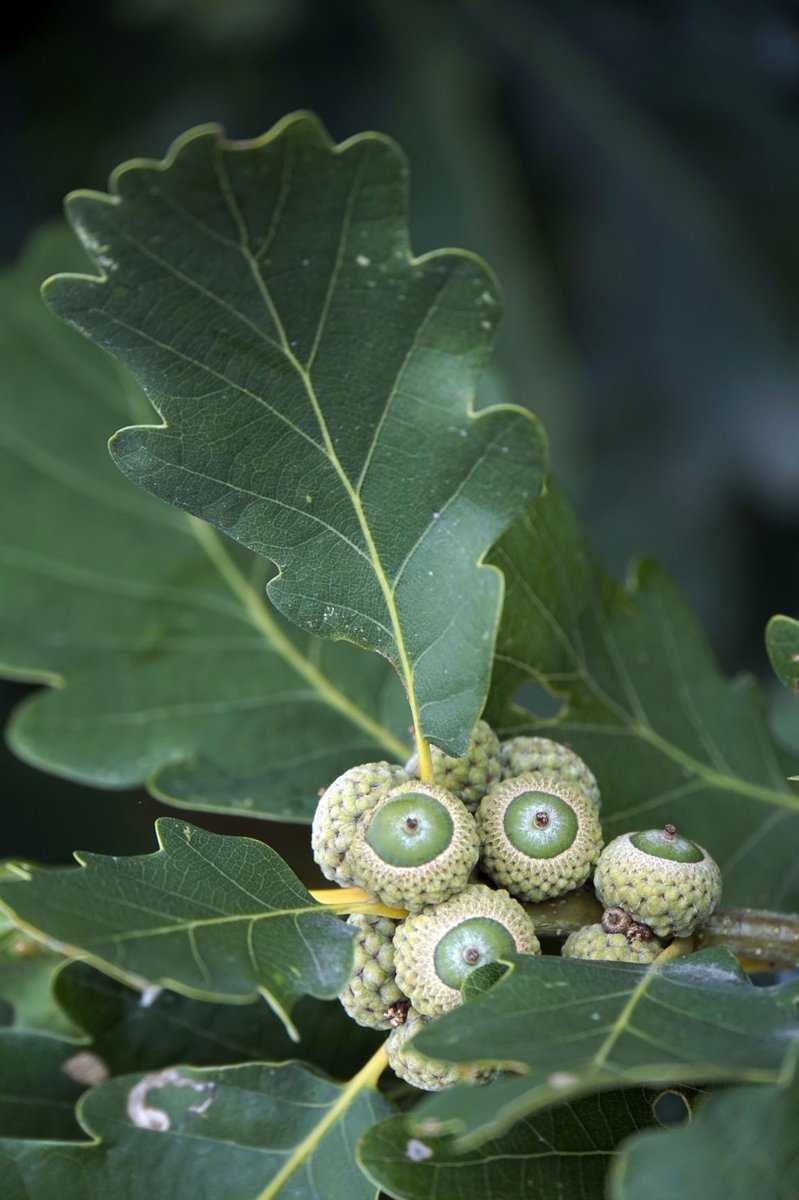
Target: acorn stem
(424, 757)
(676, 949)
(355, 900)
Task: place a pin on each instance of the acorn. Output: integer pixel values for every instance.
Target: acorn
(435, 951)
(660, 879)
(539, 836)
(418, 846)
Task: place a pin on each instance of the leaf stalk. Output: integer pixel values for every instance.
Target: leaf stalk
(366, 1077)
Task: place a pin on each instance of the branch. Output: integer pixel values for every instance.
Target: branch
(762, 941)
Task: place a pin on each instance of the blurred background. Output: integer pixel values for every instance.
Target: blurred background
(630, 170)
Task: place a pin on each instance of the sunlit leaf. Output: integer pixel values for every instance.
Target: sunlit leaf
(316, 384)
(214, 917)
(200, 1135)
(178, 673)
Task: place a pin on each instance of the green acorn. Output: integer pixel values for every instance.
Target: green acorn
(594, 942)
(470, 777)
(416, 847)
(429, 1074)
(341, 808)
(372, 990)
(436, 950)
(525, 755)
(661, 879)
(539, 835)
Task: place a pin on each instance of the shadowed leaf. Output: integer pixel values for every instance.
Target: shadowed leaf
(576, 1027)
(740, 1144)
(643, 701)
(561, 1153)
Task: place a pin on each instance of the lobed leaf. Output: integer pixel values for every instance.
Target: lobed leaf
(167, 665)
(145, 1031)
(316, 386)
(563, 1152)
(574, 1027)
(212, 1133)
(214, 917)
(643, 701)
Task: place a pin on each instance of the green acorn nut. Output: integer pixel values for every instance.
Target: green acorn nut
(470, 777)
(524, 755)
(660, 879)
(429, 1074)
(593, 942)
(436, 950)
(372, 989)
(340, 809)
(416, 847)
(539, 835)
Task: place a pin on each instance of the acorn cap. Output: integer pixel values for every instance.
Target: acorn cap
(429, 1074)
(435, 951)
(527, 755)
(661, 879)
(540, 836)
(417, 846)
(340, 809)
(594, 942)
(372, 990)
(470, 777)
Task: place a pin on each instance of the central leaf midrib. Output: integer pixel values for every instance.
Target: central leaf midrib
(202, 922)
(262, 619)
(304, 375)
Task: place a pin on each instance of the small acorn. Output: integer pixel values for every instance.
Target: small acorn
(372, 992)
(417, 846)
(341, 807)
(593, 941)
(429, 1074)
(528, 755)
(470, 777)
(660, 879)
(435, 951)
(540, 836)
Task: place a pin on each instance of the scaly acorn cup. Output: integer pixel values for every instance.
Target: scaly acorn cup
(429, 1074)
(372, 989)
(539, 836)
(524, 755)
(661, 879)
(340, 809)
(594, 942)
(416, 847)
(436, 950)
(470, 777)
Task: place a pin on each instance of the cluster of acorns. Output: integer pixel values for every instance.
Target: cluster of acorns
(525, 815)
